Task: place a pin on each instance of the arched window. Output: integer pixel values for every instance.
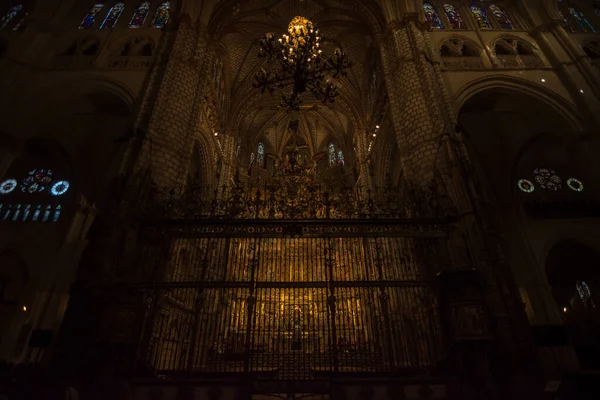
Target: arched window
(139, 16)
(480, 16)
(582, 21)
(340, 158)
(432, 16)
(90, 17)
(10, 15)
(568, 26)
(501, 17)
(260, 155)
(113, 16)
(15, 198)
(456, 21)
(584, 292)
(332, 154)
(161, 18)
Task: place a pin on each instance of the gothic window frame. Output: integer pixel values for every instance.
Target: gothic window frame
(114, 14)
(485, 17)
(260, 154)
(462, 53)
(35, 196)
(11, 15)
(331, 154)
(144, 6)
(498, 12)
(91, 16)
(429, 9)
(163, 9)
(576, 20)
(457, 9)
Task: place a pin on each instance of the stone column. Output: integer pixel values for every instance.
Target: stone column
(432, 155)
(362, 160)
(170, 132)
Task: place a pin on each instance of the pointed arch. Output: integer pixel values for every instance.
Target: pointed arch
(90, 17)
(454, 17)
(501, 17)
(161, 18)
(432, 16)
(10, 15)
(480, 17)
(140, 15)
(112, 17)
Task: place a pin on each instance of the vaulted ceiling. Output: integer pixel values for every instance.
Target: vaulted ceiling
(347, 24)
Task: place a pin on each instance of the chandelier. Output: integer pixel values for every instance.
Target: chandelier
(296, 61)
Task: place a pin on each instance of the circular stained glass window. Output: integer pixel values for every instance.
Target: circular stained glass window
(59, 188)
(36, 181)
(575, 184)
(526, 185)
(8, 186)
(547, 179)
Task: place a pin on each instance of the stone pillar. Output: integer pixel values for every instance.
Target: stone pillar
(362, 160)
(432, 154)
(417, 114)
(170, 132)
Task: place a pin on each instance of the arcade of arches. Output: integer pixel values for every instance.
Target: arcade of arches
(169, 231)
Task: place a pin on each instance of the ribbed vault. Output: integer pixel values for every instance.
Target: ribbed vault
(349, 25)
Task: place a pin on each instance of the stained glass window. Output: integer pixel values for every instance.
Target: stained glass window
(12, 13)
(582, 21)
(26, 212)
(21, 24)
(90, 17)
(585, 294)
(456, 21)
(56, 215)
(526, 185)
(260, 154)
(161, 18)
(575, 184)
(566, 22)
(8, 186)
(340, 158)
(432, 16)
(331, 154)
(17, 212)
(36, 181)
(112, 17)
(59, 188)
(480, 16)
(36, 213)
(501, 17)
(547, 179)
(139, 16)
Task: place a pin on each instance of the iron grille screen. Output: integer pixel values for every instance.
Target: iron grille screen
(292, 307)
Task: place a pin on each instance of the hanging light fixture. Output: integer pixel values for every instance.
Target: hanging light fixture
(296, 61)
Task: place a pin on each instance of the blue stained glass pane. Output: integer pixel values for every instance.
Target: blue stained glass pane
(566, 23)
(36, 214)
(582, 21)
(90, 17)
(331, 154)
(10, 15)
(432, 16)
(480, 16)
(112, 17)
(6, 212)
(17, 212)
(161, 18)
(139, 16)
(46, 214)
(456, 21)
(501, 17)
(260, 155)
(56, 215)
(26, 213)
